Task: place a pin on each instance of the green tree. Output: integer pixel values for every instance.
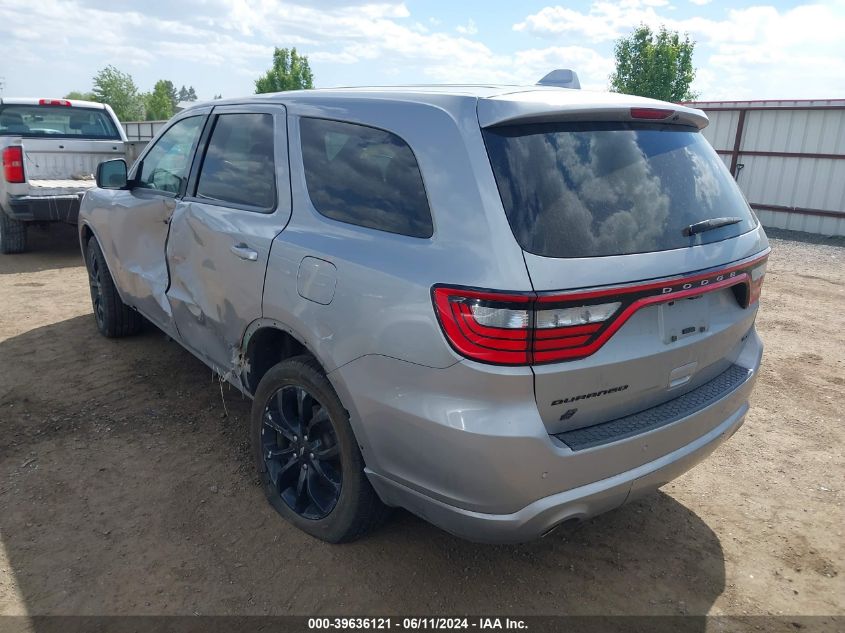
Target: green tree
(157, 103)
(82, 96)
(117, 89)
(656, 65)
(290, 71)
(172, 93)
(187, 94)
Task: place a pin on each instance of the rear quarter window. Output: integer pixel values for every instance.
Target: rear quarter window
(364, 176)
(611, 188)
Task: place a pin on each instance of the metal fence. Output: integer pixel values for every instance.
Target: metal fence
(139, 134)
(142, 130)
(788, 157)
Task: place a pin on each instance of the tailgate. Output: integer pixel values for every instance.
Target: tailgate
(67, 159)
(642, 252)
(666, 338)
(60, 187)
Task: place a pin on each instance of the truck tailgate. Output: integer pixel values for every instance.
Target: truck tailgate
(60, 187)
(67, 159)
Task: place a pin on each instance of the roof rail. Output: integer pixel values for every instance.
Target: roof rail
(562, 78)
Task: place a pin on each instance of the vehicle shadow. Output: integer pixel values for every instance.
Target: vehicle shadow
(126, 487)
(49, 247)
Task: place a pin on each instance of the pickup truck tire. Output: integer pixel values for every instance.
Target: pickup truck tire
(292, 489)
(114, 318)
(12, 234)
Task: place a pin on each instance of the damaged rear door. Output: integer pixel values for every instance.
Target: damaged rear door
(238, 200)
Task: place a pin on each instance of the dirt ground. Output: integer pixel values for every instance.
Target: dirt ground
(126, 489)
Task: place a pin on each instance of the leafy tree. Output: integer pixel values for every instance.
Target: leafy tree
(656, 65)
(158, 104)
(290, 71)
(172, 93)
(216, 97)
(117, 89)
(187, 95)
(82, 96)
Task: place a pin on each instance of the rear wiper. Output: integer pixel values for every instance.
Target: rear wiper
(709, 225)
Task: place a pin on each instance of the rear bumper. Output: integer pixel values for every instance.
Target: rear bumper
(544, 515)
(475, 459)
(60, 208)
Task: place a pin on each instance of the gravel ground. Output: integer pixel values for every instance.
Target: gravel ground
(126, 489)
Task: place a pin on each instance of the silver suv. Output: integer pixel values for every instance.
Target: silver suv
(502, 308)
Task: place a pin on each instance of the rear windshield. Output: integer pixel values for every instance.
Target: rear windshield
(36, 121)
(597, 189)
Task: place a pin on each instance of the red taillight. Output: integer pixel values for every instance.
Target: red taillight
(13, 164)
(491, 327)
(508, 328)
(755, 286)
(514, 329)
(652, 114)
(54, 102)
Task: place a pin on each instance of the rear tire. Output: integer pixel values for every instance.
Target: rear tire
(114, 318)
(327, 497)
(12, 234)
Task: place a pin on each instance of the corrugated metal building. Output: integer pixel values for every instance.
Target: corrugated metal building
(788, 158)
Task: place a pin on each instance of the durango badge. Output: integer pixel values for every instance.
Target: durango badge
(587, 396)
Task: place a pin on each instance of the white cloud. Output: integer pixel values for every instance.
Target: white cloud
(469, 29)
(592, 68)
(750, 52)
(701, 3)
(219, 44)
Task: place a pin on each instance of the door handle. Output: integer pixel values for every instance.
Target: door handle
(245, 252)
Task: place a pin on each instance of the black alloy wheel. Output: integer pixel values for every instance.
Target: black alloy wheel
(95, 281)
(300, 452)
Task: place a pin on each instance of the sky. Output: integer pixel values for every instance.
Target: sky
(744, 50)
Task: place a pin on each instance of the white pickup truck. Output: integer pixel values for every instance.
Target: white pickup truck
(50, 150)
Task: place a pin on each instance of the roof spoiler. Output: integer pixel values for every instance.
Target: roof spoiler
(562, 78)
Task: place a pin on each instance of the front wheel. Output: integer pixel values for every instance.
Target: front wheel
(114, 318)
(309, 461)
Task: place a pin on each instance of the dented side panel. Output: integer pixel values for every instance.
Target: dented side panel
(217, 255)
(131, 227)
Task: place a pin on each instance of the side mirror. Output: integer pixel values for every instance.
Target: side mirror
(112, 174)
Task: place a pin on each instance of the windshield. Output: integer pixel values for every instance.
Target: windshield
(37, 121)
(611, 188)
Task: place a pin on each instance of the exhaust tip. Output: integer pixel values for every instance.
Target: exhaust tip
(569, 523)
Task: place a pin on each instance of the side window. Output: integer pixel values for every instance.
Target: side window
(364, 176)
(238, 166)
(166, 165)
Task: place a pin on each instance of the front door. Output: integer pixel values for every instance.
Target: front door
(139, 219)
(238, 200)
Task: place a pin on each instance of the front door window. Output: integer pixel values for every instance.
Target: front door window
(166, 165)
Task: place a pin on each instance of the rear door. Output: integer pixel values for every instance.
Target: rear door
(634, 309)
(220, 235)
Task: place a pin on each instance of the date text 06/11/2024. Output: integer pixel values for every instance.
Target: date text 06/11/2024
(416, 624)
